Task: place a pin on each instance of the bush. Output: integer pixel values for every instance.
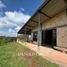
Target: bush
(4, 40)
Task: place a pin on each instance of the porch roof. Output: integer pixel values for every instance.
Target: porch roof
(48, 9)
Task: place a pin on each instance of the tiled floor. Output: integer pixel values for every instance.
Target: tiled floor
(49, 53)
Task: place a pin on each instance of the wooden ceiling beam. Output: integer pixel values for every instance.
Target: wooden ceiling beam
(30, 26)
(34, 21)
(45, 4)
(44, 14)
(65, 1)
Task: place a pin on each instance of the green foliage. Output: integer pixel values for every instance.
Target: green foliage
(4, 40)
(24, 37)
(21, 37)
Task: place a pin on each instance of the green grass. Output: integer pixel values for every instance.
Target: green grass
(11, 55)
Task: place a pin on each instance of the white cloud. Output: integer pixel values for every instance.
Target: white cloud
(17, 28)
(9, 33)
(17, 17)
(22, 9)
(2, 5)
(11, 30)
(4, 22)
(13, 21)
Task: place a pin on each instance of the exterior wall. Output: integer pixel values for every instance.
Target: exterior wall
(57, 22)
(62, 37)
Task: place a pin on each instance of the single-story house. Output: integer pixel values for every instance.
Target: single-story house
(48, 25)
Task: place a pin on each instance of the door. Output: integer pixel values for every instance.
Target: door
(49, 38)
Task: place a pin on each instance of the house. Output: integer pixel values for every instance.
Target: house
(48, 25)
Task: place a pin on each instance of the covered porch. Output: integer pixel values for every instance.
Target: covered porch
(46, 35)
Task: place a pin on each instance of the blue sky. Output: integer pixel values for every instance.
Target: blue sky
(15, 13)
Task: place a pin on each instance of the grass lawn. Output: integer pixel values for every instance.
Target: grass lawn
(15, 55)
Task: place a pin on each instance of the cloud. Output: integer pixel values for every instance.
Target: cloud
(11, 30)
(5, 23)
(13, 21)
(22, 9)
(17, 28)
(17, 17)
(2, 33)
(2, 5)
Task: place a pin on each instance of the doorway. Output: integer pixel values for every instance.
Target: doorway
(49, 38)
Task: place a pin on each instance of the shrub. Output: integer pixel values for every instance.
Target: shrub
(4, 40)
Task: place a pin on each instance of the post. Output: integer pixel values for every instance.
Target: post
(39, 38)
(17, 37)
(32, 37)
(25, 36)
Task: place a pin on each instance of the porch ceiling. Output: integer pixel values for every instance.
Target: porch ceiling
(48, 10)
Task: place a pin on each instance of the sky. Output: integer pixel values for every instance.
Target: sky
(15, 13)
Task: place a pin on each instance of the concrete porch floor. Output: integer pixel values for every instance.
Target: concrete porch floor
(48, 53)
